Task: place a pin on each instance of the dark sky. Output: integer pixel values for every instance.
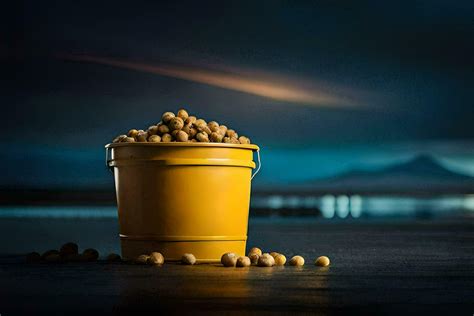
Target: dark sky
(408, 64)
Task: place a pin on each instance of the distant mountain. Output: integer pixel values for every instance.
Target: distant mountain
(421, 174)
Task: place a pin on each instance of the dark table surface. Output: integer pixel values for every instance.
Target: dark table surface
(378, 267)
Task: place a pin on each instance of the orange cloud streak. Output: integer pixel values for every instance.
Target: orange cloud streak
(257, 86)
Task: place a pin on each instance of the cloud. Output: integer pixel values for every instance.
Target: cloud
(263, 84)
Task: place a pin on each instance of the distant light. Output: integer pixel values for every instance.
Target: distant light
(83, 212)
(468, 202)
(391, 206)
(310, 202)
(293, 202)
(327, 206)
(342, 206)
(355, 206)
(275, 201)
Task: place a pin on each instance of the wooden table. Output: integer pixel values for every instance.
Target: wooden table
(396, 268)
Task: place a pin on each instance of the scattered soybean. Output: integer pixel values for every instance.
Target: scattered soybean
(188, 258)
(90, 254)
(243, 262)
(229, 259)
(156, 258)
(266, 260)
(280, 260)
(113, 257)
(256, 250)
(322, 261)
(253, 257)
(297, 261)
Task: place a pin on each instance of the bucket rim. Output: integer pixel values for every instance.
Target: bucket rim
(179, 144)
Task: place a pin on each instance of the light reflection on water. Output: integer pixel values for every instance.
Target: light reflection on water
(355, 206)
(327, 206)
(58, 212)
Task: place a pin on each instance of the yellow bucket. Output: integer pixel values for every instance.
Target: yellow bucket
(178, 198)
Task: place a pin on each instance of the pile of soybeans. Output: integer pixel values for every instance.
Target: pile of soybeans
(182, 127)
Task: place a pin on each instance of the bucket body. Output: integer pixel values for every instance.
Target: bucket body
(178, 198)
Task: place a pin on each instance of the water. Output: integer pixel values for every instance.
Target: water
(327, 206)
(356, 206)
(59, 212)
(28, 228)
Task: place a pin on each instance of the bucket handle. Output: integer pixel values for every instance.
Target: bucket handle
(107, 160)
(259, 165)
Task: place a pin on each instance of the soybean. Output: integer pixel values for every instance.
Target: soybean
(190, 130)
(190, 120)
(204, 129)
(201, 126)
(119, 138)
(231, 133)
(90, 254)
(266, 260)
(152, 130)
(280, 260)
(176, 123)
(128, 140)
(202, 137)
(274, 254)
(215, 137)
(183, 114)
(297, 261)
(243, 262)
(222, 129)
(154, 139)
(200, 123)
(244, 140)
(187, 128)
(156, 258)
(255, 250)
(253, 257)
(163, 129)
(142, 136)
(113, 257)
(181, 136)
(229, 259)
(188, 258)
(231, 140)
(132, 133)
(166, 138)
(213, 126)
(322, 261)
(167, 116)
